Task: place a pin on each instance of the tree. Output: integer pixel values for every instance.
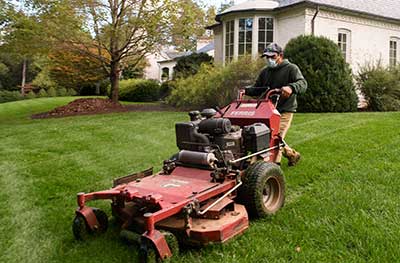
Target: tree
(329, 77)
(190, 65)
(110, 32)
(187, 24)
(21, 38)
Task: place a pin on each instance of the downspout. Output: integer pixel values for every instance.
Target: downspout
(313, 21)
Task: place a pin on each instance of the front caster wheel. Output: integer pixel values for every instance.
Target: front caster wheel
(81, 229)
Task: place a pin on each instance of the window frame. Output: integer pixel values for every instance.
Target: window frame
(344, 43)
(394, 51)
(229, 37)
(261, 45)
(247, 44)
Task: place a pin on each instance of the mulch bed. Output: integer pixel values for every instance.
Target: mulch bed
(97, 106)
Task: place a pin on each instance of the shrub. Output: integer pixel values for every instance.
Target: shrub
(189, 65)
(71, 92)
(42, 93)
(51, 92)
(30, 95)
(139, 90)
(380, 87)
(62, 92)
(214, 85)
(7, 96)
(329, 77)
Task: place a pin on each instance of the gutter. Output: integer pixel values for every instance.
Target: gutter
(313, 21)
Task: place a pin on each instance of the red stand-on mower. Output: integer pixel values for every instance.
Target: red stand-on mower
(223, 172)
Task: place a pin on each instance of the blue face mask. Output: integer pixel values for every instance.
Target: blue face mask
(272, 63)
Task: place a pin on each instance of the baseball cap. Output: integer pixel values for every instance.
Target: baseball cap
(271, 50)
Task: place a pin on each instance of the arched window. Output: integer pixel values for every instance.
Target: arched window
(344, 43)
(165, 74)
(265, 32)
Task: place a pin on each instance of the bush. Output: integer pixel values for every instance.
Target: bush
(42, 93)
(30, 95)
(62, 92)
(189, 65)
(51, 92)
(7, 96)
(380, 87)
(71, 92)
(215, 85)
(139, 90)
(329, 77)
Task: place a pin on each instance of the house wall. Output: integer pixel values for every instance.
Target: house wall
(289, 24)
(369, 38)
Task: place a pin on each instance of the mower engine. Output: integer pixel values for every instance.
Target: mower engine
(207, 140)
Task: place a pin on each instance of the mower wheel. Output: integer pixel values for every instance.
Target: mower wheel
(148, 253)
(263, 189)
(82, 231)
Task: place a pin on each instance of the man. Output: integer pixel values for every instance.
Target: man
(280, 73)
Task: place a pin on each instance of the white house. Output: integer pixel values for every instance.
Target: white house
(161, 64)
(365, 30)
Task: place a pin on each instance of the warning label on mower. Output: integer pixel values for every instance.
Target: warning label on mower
(175, 183)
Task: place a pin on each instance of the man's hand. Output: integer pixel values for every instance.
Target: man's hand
(286, 91)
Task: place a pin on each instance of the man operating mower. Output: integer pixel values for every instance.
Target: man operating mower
(281, 74)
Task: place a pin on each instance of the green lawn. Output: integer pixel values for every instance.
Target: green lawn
(342, 205)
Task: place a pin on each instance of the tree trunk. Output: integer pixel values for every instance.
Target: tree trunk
(97, 92)
(114, 79)
(23, 77)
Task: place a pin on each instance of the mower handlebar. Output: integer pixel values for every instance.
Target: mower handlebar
(258, 91)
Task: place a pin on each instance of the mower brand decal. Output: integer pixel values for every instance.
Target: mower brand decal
(243, 113)
(174, 183)
(248, 105)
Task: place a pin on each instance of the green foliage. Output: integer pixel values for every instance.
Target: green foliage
(190, 65)
(380, 87)
(42, 93)
(215, 85)
(30, 95)
(7, 96)
(329, 77)
(71, 92)
(51, 92)
(62, 92)
(43, 80)
(139, 90)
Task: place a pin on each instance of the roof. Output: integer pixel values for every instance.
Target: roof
(206, 48)
(388, 9)
(383, 8)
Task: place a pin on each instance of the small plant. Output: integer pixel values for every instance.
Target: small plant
(52, 92)
(380, 87)
(42, 93)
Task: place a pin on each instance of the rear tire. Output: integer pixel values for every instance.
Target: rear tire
(263, 189)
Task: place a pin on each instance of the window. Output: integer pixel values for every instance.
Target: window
(393, 53)
(245, 35)
(265, 33)
(342, 42)
(229, 37)
(165, 74)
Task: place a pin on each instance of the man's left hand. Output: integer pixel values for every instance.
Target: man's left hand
(286, 92)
